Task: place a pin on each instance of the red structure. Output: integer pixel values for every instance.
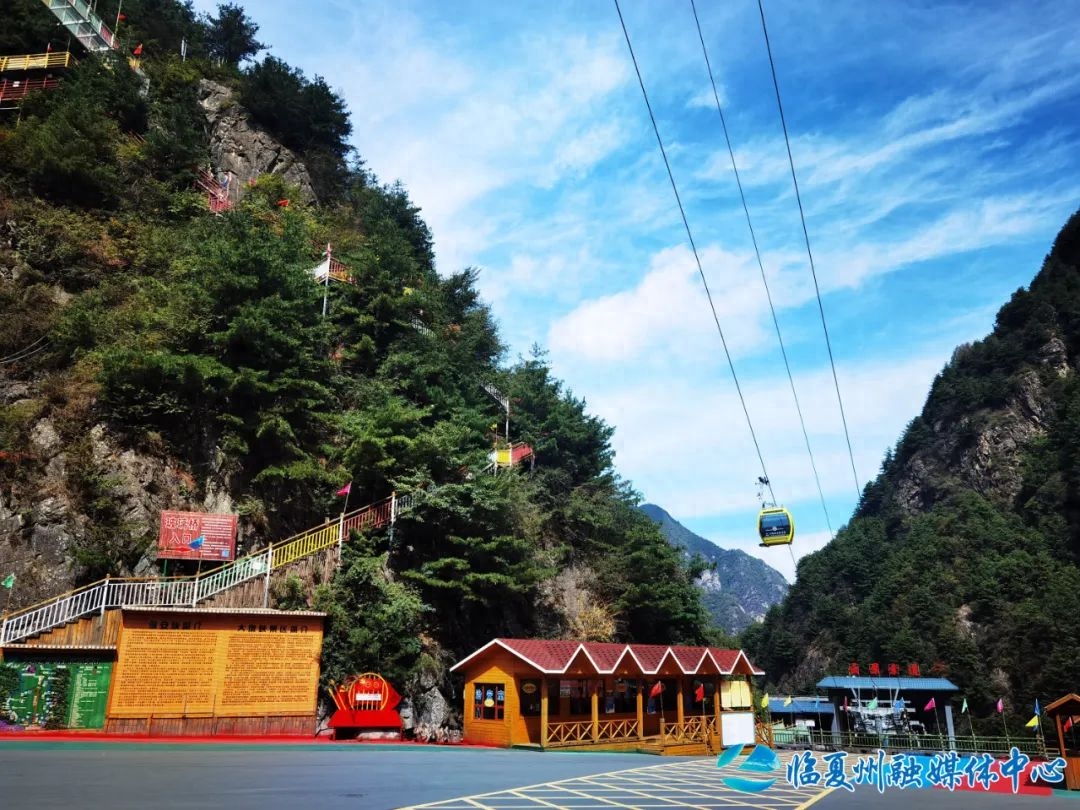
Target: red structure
(365, 703)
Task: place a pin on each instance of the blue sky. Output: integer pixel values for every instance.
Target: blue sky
(936, 147)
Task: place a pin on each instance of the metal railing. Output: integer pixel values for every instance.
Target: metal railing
(1034, 746)
(35, 61)
(12, 92)
(189, 591)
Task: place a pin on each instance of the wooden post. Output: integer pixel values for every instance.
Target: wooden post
(640, 710)
(543, 712)
(716, 712)
(680, 711)
(1060, 734)
(595, 701)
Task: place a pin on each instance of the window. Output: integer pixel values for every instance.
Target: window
(488, 701)
(530, 697)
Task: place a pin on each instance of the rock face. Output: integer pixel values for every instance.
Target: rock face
(43, 512)
(240, 149)
(741, 589)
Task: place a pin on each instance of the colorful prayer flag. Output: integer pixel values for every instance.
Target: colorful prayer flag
(197, 543)
(930, 706)
(964, 707)
(658, 687)
(345, 490)
(765, 701)
(872, 704)
(1034, 721)
(1068, 724)
(1000, 706)
(9, 581)
(788, 701)
(138, 50)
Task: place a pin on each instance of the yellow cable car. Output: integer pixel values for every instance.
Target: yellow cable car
(775, 526)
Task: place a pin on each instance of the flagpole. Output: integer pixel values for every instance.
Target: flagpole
(1004, 724)
(7, 610)
(971, 728)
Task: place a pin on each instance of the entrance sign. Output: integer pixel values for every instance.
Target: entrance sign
(197, 536)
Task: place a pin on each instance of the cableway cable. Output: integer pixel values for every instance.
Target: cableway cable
(806, 236)
(761, 267)
(693, 247)
(25, 351)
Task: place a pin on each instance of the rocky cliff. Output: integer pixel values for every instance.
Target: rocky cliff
(241, 152)
(739, 590)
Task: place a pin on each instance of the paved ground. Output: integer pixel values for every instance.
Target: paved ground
(173, 776)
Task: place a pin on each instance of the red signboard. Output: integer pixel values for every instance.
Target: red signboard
(197, 536)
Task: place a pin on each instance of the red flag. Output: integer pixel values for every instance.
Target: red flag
(345, 490)
(138, 50)
(121, 17)
(283, 203)
(699, 693)
(1068, 725)
(48, 47)
(656, 690)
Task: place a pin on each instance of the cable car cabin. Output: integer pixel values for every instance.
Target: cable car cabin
(776, 527)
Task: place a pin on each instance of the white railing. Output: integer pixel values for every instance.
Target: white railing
(189, 591)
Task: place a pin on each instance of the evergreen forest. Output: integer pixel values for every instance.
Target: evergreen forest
(199, 341)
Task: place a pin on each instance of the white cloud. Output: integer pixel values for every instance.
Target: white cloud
(686, 443)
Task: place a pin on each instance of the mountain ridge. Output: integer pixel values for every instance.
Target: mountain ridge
(964, 552)
(741, 588)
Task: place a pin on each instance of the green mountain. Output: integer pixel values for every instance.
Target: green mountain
(166, 346)
(738, 588)
(963, 553)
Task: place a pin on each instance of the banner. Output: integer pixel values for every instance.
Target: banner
(197, 536)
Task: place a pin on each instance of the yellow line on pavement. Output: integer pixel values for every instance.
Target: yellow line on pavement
(817, 798)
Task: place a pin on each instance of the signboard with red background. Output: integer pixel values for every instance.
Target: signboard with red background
(197, 536)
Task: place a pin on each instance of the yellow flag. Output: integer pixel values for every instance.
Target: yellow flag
(1033, 722)
(765, 701)
(788, 701)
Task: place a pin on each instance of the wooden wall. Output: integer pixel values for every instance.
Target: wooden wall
(500, 668)
(96, 630)
(209, 726)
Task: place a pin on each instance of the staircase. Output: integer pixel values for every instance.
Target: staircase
(84, 24)
(165, 592)
(217, 195)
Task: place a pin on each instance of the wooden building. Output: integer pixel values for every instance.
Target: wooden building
(569, 694)
(171, 671)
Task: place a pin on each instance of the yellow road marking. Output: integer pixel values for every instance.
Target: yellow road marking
(695, 784)
(817, 798)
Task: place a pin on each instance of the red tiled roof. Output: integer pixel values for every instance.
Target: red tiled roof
(555, 657)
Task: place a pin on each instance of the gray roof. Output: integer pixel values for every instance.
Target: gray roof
(891, 684)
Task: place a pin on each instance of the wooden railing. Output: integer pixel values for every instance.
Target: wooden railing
(580, 732)
(964, 744)
(691, 729)
(763, 734)
(569, 732)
